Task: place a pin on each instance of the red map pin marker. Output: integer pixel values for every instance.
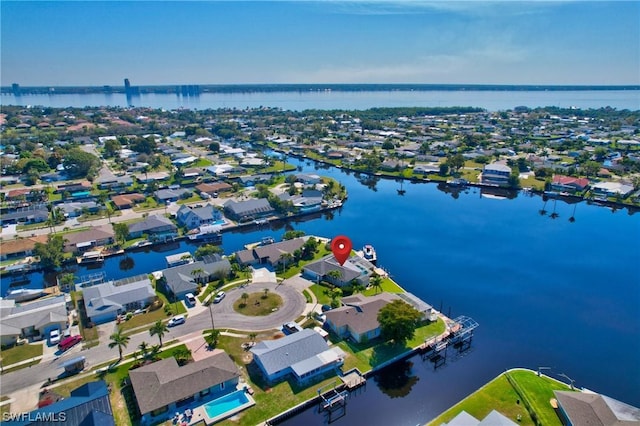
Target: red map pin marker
(341, 248)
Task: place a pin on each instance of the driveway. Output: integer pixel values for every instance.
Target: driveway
(293, 305)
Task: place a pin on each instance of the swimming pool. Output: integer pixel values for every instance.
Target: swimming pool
(227, 404)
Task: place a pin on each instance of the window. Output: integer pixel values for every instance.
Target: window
(160, 411)
(221, 385)
(205, 392)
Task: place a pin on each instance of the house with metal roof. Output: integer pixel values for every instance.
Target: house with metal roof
(184, 279)
(164, 387)
(358, 318)
(303, 355)
(157, 227)
(33, 319)
(88, 405)
(590, 408)
(244, 211)
(104, 302)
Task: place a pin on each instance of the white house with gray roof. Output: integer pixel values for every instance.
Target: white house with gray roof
(32, 319)
(355, 268)
(104, 302)
(194, 217)
(244, 211)
(183, 279)
(157, 227)
(304, 355)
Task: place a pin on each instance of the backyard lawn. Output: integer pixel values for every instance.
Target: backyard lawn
(20, 353)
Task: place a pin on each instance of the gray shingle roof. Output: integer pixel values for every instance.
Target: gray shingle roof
(164, 382)
(271, 252)
(37, 314)
(152, 223)
(180, 278)
(361, 312)
(248, 207)
(585, 408)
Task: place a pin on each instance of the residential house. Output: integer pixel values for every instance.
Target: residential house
(77, 208)
(114, 182)
(213, 189)
(426, 169)
(355, 268)
(127, 201)
(163, 387)
(219, 169)
(184, 279)
(104, 302)
(496, 174)
(157, 228)
(74, 189)
(358, 318)
(273, 254)
(33, 319)
(612, 189)
(171, 195)
(494, 418)
(308, 201)
(152, 177)
(303, 355)
(20, 247)
(79, 242)
(308, 179)
(88, 405)
(569, 183)
(253, 180)
(28, 215)
(590, 408)
(193, 217)
(244, 211)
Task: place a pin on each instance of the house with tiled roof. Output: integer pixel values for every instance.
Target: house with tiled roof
(303, 355)
(20, 247)
(164, 387)
(214, 188)
(127, 201)
(569, 183)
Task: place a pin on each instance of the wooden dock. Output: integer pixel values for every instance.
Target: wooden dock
(353, 380)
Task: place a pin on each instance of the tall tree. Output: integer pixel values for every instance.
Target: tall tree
(50, 253)
(120, 340)
(159, 329)
(121, 231)
(376, 282)
(398, 321)
(80, 164)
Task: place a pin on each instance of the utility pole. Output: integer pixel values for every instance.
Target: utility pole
(211, 313)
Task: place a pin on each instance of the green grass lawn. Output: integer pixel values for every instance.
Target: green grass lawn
(388, 285)
(257, 304)
(294, 270)
(193, 199)
(202, 162)
(140, 320)
(322, 294)
(20, 353)
(499, 395)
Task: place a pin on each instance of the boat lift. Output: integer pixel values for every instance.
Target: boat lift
(461, 339)
(333, 401)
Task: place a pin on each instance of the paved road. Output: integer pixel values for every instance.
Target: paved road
(198, 319)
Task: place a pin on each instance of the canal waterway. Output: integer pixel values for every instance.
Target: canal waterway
(547, 292)
(492, 100)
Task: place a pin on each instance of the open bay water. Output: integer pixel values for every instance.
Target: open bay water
(492, 100)
(546, 292)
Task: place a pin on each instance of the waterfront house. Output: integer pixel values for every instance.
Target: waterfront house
(303, 355)
(568, 183)
(127, 201)
(33, 319)
(426, 169)
(79, 242)
(27, 215)
(183, 279)
(157, 228)
(495, 174)
(20, 247)
(104, 302)
(163, 387)
(590, 408)
(355, 268)
(253, 180)
(358, 318)
(612, 189)
(271, 254)
(87, 405)
(77, 208)
(171, 195)
(309, 201)
(244, 211)
(194, 217)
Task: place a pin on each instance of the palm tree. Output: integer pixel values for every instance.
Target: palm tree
(182, 355)
(144, 349)
(159, 329)
(120, 340)
(253, 336)
(266, 293)
(244, 297)
(376, 282)
(335, 275)
(198, 273)
(212, 338)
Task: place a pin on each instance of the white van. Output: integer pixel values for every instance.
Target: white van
(191, 299)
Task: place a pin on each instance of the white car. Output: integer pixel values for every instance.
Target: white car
(219, 297)
(177, 320)
(54, 337)
(191, 299)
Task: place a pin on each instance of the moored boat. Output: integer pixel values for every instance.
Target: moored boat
(369, 253)
(90, 257)
(23, 294)
(208, 233)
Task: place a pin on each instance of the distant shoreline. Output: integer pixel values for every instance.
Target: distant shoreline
(196, 89)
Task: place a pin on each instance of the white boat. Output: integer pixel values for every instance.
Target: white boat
(24, 294)
(369, 253)
(209, 233)
(91, 257)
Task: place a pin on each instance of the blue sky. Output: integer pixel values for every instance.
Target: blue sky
(236, 42)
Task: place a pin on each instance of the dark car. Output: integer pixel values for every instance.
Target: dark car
(326, 308)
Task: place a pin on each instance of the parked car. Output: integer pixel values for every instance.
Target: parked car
(177, 320)
(68, 342)
(219, 296)
(191, 299)
(54, 337)
(290, 328)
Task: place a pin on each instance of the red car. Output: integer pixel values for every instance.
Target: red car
(68, 342)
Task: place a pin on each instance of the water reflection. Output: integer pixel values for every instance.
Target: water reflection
(369, 181)
(397, 380)
(126, 263)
